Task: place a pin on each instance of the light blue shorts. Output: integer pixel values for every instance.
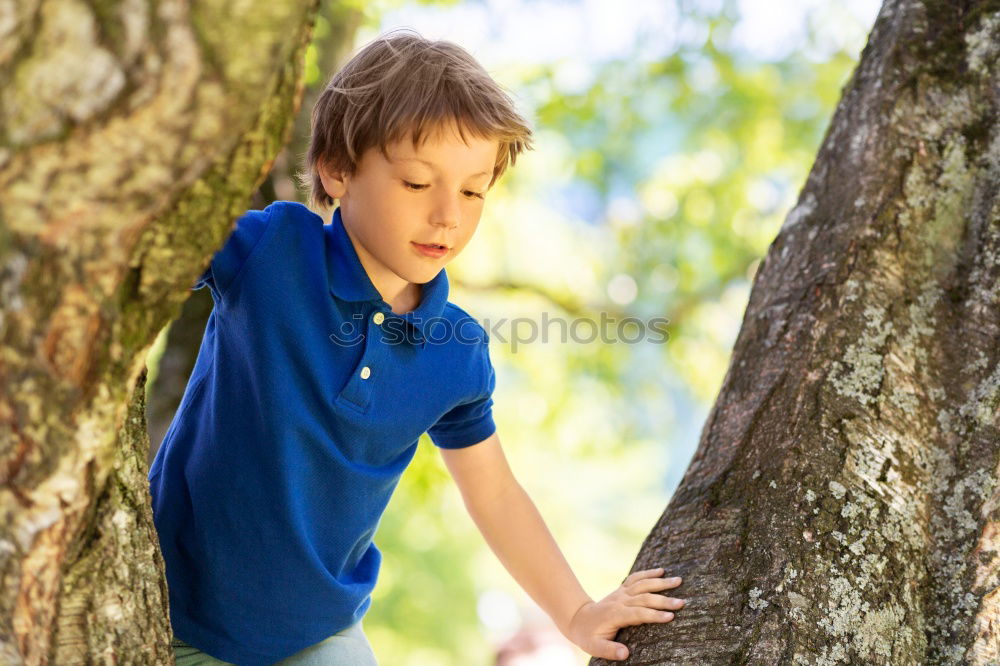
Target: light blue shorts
(349, 647)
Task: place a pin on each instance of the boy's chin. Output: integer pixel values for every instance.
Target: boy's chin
(426, 274)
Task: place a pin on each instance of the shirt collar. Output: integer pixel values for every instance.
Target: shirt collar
(350, 282)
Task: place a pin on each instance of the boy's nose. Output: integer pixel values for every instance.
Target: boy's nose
(446, 223)
(446, 214)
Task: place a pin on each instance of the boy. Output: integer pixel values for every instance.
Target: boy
(330, 350)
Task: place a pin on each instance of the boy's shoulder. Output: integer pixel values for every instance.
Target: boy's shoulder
(288, 219)
(464, 323)
(291, 214)
(292, 211)
(291, 220)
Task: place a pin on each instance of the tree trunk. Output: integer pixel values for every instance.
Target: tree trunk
(842, 505)
(131, 136)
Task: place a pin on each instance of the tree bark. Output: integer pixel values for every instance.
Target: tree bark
(842, 505)
(131, 136)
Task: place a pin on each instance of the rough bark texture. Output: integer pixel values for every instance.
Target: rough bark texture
(842, 506)
(131, 135)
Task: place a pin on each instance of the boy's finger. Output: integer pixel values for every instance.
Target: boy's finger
(645, 573)
(655, 601)
(611, 650)
(655, 583)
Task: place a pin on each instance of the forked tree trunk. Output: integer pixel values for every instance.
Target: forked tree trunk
(842, 505)
(131, 136)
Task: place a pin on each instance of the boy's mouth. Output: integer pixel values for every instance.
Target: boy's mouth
(432, 249)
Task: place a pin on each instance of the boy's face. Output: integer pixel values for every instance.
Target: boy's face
(431, 194)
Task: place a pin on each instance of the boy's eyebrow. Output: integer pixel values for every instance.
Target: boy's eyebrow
(433, 166)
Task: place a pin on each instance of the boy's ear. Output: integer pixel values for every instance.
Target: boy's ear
(333, 181)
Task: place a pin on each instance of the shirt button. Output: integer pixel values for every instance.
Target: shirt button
(366, 372)
(378, 318)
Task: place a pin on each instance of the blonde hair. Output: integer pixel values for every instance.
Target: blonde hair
(400, 84)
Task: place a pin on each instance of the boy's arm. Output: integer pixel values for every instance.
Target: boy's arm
(516, 532)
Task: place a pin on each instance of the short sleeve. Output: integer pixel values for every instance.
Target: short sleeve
(229, 260)
(469, 422)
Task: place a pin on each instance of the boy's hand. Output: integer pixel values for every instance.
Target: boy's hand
(595, 623)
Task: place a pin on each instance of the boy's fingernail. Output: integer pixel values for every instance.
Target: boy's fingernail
(621, 653)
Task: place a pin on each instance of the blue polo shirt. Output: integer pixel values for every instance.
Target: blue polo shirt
(304, 407)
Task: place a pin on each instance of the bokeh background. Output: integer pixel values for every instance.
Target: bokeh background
(671, 139)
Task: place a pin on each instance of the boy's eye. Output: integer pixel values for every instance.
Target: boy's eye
(419, 187)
